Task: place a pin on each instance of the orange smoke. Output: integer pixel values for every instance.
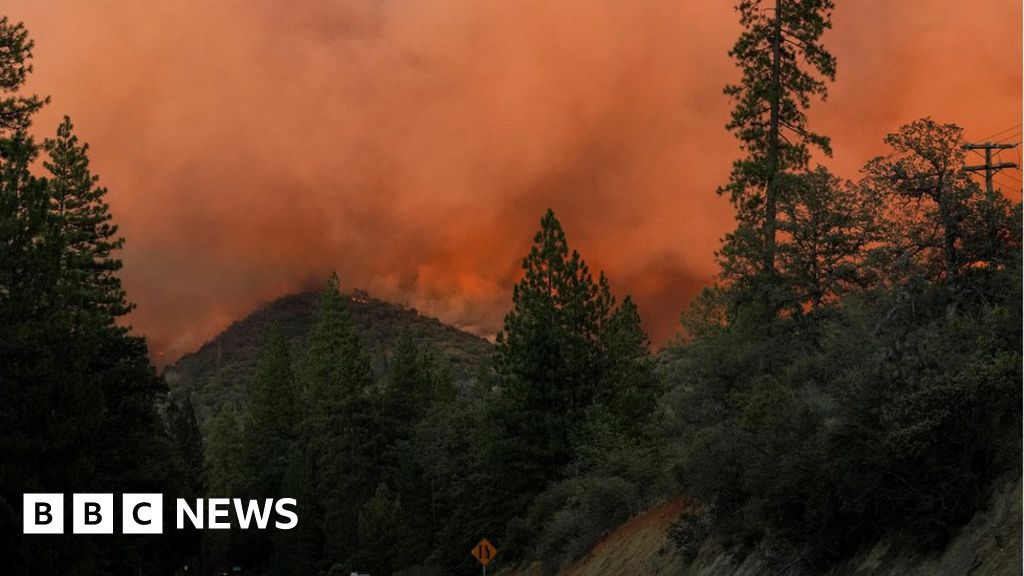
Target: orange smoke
(252, 147)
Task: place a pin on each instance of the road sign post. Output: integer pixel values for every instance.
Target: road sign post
(484, 552)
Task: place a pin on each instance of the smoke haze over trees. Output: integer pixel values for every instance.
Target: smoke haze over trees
(850, 373)
(356, 128)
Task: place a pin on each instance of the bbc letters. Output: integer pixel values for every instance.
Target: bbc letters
(144, 513)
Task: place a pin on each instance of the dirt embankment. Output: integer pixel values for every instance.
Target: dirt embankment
(990, 545)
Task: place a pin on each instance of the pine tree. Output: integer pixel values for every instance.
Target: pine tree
(78, 401)
(381, 533)
(226, 467)
(26, 266)
(190, 473)
(566, 355)
(299, 551)
(16, 110)
(81, 226)
(188, 441)
(340, 428)
(273, 414)
(629, 387)
(228, 474)
(335, 367)
(549, 353)
(415, 385)
(784, 65)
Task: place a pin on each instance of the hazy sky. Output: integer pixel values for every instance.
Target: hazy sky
(250, 147)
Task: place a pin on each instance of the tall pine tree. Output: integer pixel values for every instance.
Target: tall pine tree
(784, 65)
(273, 414)
(78, 394)
(566, 352)
(81, 224)
(339, 429)
(549, 353)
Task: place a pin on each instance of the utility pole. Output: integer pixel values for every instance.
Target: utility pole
(989, 168)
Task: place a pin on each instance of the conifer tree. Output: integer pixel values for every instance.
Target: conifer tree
(549, 351)
(415, 384)
(16, 110)
(25, 268)
(272, 417)
(629, 386)
(784, 65)
(381, 533)
(335, 368)
(227, 469)
(566, 352)
(81, 226)
(188, 441)
(190, 474)
(340, 424)
(299, 551)
(78, 401)
(413, 381)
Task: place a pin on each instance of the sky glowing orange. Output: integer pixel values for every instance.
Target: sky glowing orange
(252, 147)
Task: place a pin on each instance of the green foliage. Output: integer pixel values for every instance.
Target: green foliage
(81, 223)
(576, 379)
(565, 345)
(889, 406)
(855, 373)
(271, 419)
(549, 353)
(16, 110)
(381, 534)
(227, 468)
(188, 442)
(78, 397)
(784, 65)
(221, 371)
(830, 229)
(189, 472)
(939, 224)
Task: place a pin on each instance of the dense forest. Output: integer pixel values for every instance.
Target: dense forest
(853, 373)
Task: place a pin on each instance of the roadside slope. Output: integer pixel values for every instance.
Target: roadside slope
(989, 545)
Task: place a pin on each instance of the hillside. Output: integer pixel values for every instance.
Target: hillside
(989, 545)
(221, 370)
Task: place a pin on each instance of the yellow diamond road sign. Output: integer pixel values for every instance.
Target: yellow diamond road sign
(484, 552)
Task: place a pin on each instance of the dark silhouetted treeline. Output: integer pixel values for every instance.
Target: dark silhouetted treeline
(407, 471)
(853, 373)
(79, 399)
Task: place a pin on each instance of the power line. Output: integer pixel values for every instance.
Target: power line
(1014, 186)
(988, 167)
(1009, 184)
(1012, 136)
(1012, 178)
(1001, 132)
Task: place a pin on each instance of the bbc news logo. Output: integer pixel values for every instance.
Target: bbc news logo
(143, 513)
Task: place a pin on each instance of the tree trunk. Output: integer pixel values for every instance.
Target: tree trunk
(771, 191)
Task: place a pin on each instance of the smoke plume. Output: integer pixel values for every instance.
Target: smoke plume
(252, 147)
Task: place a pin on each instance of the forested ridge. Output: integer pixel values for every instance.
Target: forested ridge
(220, 371)
(853, 373)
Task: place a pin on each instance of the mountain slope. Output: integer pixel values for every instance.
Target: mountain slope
(223, 368)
